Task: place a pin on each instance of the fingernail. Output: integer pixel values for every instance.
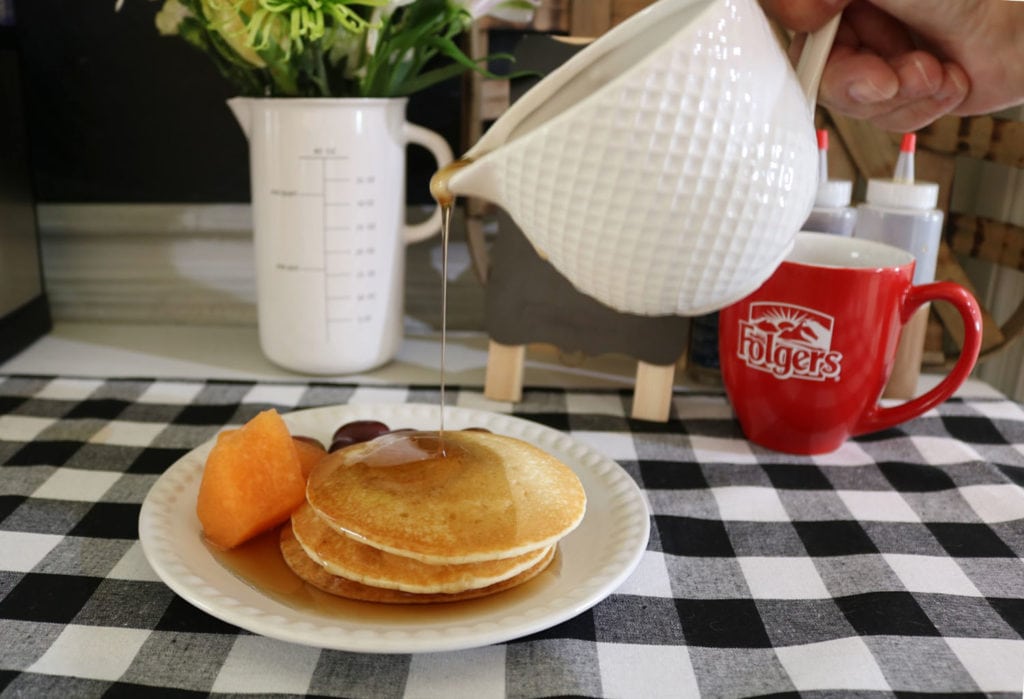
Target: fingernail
(866, 91)
(926, 78)
(954, 86)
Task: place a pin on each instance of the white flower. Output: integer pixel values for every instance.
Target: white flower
(170, 17)
(373, 33)
(508, 10)
(350, 48)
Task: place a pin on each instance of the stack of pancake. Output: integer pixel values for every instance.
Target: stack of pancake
(413, 517)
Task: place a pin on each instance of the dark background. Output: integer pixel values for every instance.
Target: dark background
(118, 113)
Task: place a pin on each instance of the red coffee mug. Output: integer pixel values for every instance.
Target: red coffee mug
(805, 357)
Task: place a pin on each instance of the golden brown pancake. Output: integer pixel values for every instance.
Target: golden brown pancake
(314, 574)
(486, 496)
(345, 557)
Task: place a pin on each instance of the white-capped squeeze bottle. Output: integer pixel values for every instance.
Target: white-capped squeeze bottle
(832, 212)
(902, 213)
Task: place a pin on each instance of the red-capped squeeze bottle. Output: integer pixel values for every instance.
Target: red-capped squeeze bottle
(832, 212)
(902, 213)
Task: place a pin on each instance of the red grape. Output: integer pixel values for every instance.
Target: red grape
(340, 443)
(360, 430)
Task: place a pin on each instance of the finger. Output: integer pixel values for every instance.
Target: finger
(876, 31)
(935, 19)
(803, 15)
(862, 84)
(858, 84)
(920, 75)
(919, 113)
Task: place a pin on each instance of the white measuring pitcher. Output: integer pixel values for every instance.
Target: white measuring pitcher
(328, 203)
(667, 167)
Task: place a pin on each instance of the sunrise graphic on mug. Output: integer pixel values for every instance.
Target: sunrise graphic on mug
(789, 341)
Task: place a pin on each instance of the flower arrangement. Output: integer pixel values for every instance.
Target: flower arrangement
(334, 48)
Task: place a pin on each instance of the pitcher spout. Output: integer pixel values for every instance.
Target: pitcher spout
(466, 177)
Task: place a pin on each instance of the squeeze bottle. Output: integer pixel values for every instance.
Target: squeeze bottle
(832, 212)
(902, 213)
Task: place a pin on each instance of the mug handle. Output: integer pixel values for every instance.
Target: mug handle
(438, 147)
(879, 418)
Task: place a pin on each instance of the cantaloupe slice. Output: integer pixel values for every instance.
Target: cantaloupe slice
(252, 481)
(309, 454)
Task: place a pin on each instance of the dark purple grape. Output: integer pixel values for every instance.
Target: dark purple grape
(360, 430)
(340, 443)
(308, 440)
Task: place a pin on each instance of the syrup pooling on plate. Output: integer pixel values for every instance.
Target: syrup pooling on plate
(259, 564)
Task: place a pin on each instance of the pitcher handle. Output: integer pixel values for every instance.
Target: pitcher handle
(813, 58)
(439, 148)
(879, 418)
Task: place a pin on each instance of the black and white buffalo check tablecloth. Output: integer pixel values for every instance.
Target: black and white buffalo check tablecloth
(891, 567)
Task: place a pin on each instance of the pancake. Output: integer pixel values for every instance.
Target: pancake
(487, 496)
(343, 556)
(314, 574)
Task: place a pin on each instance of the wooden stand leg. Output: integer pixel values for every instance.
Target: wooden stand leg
(504, 378)
(906, 367)
(652, 395)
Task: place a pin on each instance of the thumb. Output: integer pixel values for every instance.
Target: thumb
(939, 22)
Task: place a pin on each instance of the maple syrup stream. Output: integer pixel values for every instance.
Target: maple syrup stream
(445, 198)
(446, 226)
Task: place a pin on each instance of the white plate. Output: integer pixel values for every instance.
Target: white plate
(594, 559)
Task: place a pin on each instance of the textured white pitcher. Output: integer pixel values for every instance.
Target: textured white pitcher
(328, 200)
(668, 166)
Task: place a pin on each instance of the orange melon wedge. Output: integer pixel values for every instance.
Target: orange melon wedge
(252, 481)
(309, 455)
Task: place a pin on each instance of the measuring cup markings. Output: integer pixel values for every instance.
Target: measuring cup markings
(353, 265)
(349, 257)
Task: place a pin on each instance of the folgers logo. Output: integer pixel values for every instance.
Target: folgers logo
(789, 341)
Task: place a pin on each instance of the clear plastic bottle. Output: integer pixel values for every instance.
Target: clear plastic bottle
(901, 212)
(832, 212)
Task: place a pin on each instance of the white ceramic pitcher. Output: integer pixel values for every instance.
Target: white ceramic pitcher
(328, 199)
(668, 166)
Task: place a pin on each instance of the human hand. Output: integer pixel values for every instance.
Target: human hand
(904, 63)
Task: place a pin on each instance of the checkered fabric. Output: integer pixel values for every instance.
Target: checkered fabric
(890, 567)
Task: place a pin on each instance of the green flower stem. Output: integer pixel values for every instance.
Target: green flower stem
(320, 72)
